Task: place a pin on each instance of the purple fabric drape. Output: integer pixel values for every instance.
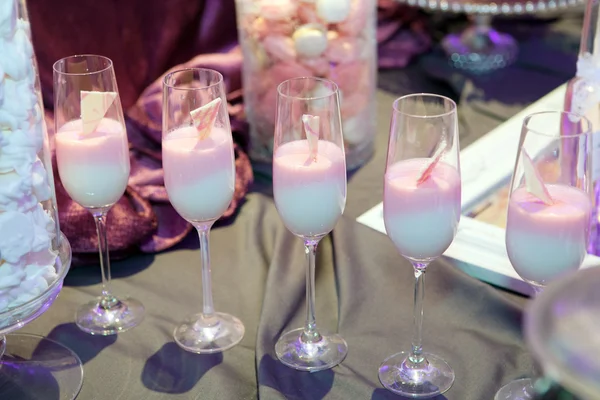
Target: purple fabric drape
(145, 39)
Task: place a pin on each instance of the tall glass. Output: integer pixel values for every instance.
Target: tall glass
(421, 210)
(309, 186)
(199, 168)
(549, 208)
(92, 154)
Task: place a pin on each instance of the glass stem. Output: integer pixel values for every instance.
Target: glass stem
(208, 308)
(107, 300)
(310, 334)
(416, 354)
(2, 345)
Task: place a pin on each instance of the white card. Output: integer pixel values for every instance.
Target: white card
(533, 180)
(94, 106)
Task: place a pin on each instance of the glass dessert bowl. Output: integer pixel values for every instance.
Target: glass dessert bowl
(32, 366)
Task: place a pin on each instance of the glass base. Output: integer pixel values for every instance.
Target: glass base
(119, 315)
(480, 51)
(520, 389)
(206, 335)
(324, 354)
(34, 367)
(435, 378)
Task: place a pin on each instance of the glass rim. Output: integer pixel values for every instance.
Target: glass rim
(178, 71)
(431, 95)
(586, 131)
(108, 67)
(334, 88)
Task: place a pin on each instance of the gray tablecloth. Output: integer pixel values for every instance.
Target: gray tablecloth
(364, 291)
(364, 288)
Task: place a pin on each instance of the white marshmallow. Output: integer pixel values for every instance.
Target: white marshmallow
(275, 10)
(16, 235)
(310, 41)
(333, 11)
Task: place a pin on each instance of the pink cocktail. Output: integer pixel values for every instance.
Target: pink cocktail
(421, 210)
(549, 209)
(199, 174)
(94, 167)
(546, 241)
(421, 219)
(309, 187)
(310, 194)
(92, 154)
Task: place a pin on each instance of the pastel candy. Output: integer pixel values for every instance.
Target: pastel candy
(351, 76)
(280, 47)
(333, 11)
(307, 14)
(357, 20)
(354, 104)
(342, 50)
(319, 66)
(272, 77)
(277, 9)
(261, 28)
(257, 58)
(310, 41)
(332, 35)
(247, 7)
(282, 71)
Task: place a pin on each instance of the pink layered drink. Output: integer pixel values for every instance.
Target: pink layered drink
(94, 167)
(545, 241)
(310, 195)
(421, 219)
(199, 174)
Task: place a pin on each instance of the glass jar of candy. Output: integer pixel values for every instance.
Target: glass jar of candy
(333, 39)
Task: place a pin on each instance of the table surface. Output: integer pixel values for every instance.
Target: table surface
(364, 289)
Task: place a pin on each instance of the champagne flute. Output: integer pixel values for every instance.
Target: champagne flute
(309, 187)
(421, 206)
(199, 168)
(92, 154)
(549, 208)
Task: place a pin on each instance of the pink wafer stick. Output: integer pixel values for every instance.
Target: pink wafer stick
(311, 128)
(533, 180)
(204, 117)
(436, 159)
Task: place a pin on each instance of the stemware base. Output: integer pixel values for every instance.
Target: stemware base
(119, 315)
(324, 354)
(520, 389)
(480, 48)
(34, 367)
(203, 334)
(435, 378)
